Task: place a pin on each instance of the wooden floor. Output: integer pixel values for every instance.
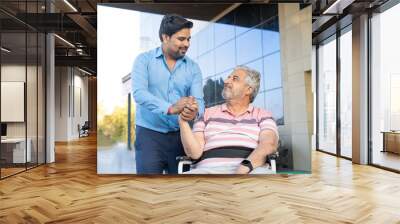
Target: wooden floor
(70, 191)
(10, 171)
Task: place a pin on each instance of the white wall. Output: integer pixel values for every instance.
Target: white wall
(71, 94)
(16, 73)
(61, 103)
(33, 126)
(12, 73)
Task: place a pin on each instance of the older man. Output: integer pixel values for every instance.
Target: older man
(234, 137)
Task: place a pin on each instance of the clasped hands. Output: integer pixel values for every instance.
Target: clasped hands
(186, 107)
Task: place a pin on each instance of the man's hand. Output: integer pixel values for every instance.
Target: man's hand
(179, 105)
(190, 110)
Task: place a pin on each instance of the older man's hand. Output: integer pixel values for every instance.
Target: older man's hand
(190, 110)
(242, 170)
(179, 105)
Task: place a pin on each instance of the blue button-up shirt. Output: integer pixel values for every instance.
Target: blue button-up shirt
(155, 88)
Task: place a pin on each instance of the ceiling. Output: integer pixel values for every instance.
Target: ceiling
(329, 16)
(77, 22)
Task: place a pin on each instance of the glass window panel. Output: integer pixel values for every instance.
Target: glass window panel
(327, 97)
(32, 101)
(13, 84)
(394, 101)
(223, 33)
(225, 56)
(274, 103)
(346, 94)
(257, 65)
(248, 46)
(207, 64)
(206, 39)
(270, 36)
(259, 101)
(193, 48)
(41, 99)
(272, 71)
(384, 95)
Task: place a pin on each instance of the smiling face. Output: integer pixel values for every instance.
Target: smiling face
(236, 87)
(178, 43)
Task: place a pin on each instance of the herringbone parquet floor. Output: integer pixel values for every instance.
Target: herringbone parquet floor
(70, 191)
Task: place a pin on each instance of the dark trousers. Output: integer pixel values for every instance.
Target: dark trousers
(156, 151)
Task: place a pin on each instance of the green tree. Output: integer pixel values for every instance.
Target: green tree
(113, 128)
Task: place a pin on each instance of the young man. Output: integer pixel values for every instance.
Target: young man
(164, 80)
(235, 137)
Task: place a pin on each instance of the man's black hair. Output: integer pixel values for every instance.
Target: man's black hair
(172, 23)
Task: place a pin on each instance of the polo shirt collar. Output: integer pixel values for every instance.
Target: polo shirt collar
(224, 108)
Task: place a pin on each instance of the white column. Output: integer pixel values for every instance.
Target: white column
(50, 100)
(360, 90)
(295, 38)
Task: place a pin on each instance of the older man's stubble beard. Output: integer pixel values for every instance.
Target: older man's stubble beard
(229, 94)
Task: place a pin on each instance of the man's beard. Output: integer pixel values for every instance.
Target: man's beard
(228, 94)
(225, 95)
(177, 55)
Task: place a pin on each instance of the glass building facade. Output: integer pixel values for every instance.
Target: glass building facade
(334, 111)
(248, 35)
(385, 89)
(379, 78)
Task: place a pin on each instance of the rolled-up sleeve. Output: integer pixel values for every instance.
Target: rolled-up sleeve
(140, 91)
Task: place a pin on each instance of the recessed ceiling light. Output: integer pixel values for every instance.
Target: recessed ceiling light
(337, 7)
(64, 40)
(86, 72)
(70, 5)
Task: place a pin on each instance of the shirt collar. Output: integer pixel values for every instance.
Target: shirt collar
(224, 108)
(160, 53)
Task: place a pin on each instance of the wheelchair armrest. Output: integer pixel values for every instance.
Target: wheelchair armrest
(273, 156)
(271, 159)
(183, 160)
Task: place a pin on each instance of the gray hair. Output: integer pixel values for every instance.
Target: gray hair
(252, 79)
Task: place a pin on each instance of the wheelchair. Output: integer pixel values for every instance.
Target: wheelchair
(186, 163)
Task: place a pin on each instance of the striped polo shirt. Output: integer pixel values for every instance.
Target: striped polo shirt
(221, 128)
